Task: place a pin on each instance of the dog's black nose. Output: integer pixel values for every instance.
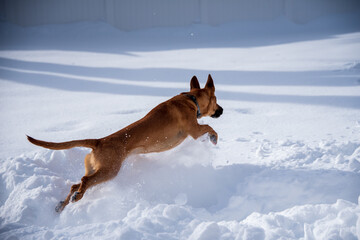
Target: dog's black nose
(218, 112)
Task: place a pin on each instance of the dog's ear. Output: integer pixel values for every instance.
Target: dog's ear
(194, 83)
(210, 83)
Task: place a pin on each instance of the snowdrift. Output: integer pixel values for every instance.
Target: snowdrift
(175, 195)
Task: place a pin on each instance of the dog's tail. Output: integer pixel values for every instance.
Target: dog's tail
(89, 143)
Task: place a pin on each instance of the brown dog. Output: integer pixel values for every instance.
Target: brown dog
(163, 128)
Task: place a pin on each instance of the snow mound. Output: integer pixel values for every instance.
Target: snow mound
(179, 194)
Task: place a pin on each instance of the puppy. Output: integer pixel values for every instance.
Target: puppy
(163, 128)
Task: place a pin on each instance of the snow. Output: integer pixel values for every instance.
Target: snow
(287, 164)
(139, 14)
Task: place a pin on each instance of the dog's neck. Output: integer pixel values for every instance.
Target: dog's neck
(193, 98)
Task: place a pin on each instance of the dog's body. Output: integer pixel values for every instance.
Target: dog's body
(163, 128)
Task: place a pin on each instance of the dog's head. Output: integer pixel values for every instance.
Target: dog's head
(206, 97)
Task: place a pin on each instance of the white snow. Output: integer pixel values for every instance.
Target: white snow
(287, 164)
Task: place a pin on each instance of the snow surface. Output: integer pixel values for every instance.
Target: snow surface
(139, 14)
(287, 164)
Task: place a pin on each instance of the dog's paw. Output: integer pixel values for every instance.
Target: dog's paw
(213, 139)
(60, 206)
(75, 197)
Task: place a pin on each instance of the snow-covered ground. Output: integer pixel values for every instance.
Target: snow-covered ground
(287, 165)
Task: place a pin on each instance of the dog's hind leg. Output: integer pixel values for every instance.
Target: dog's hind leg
(61, 205)
(89, 169)
(77, 190)
(99, 176)
(89, 164)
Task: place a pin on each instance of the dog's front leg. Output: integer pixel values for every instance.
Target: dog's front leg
(199, 130)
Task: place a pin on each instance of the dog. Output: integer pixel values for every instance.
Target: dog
(163, 128)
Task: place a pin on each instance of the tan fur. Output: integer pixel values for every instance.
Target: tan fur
(163, 128)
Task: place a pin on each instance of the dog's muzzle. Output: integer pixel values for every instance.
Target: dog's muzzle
(218, 112)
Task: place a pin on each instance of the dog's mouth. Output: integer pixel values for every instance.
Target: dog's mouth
(218, 112)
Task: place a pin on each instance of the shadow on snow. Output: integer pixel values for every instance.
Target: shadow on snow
(47, 75)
